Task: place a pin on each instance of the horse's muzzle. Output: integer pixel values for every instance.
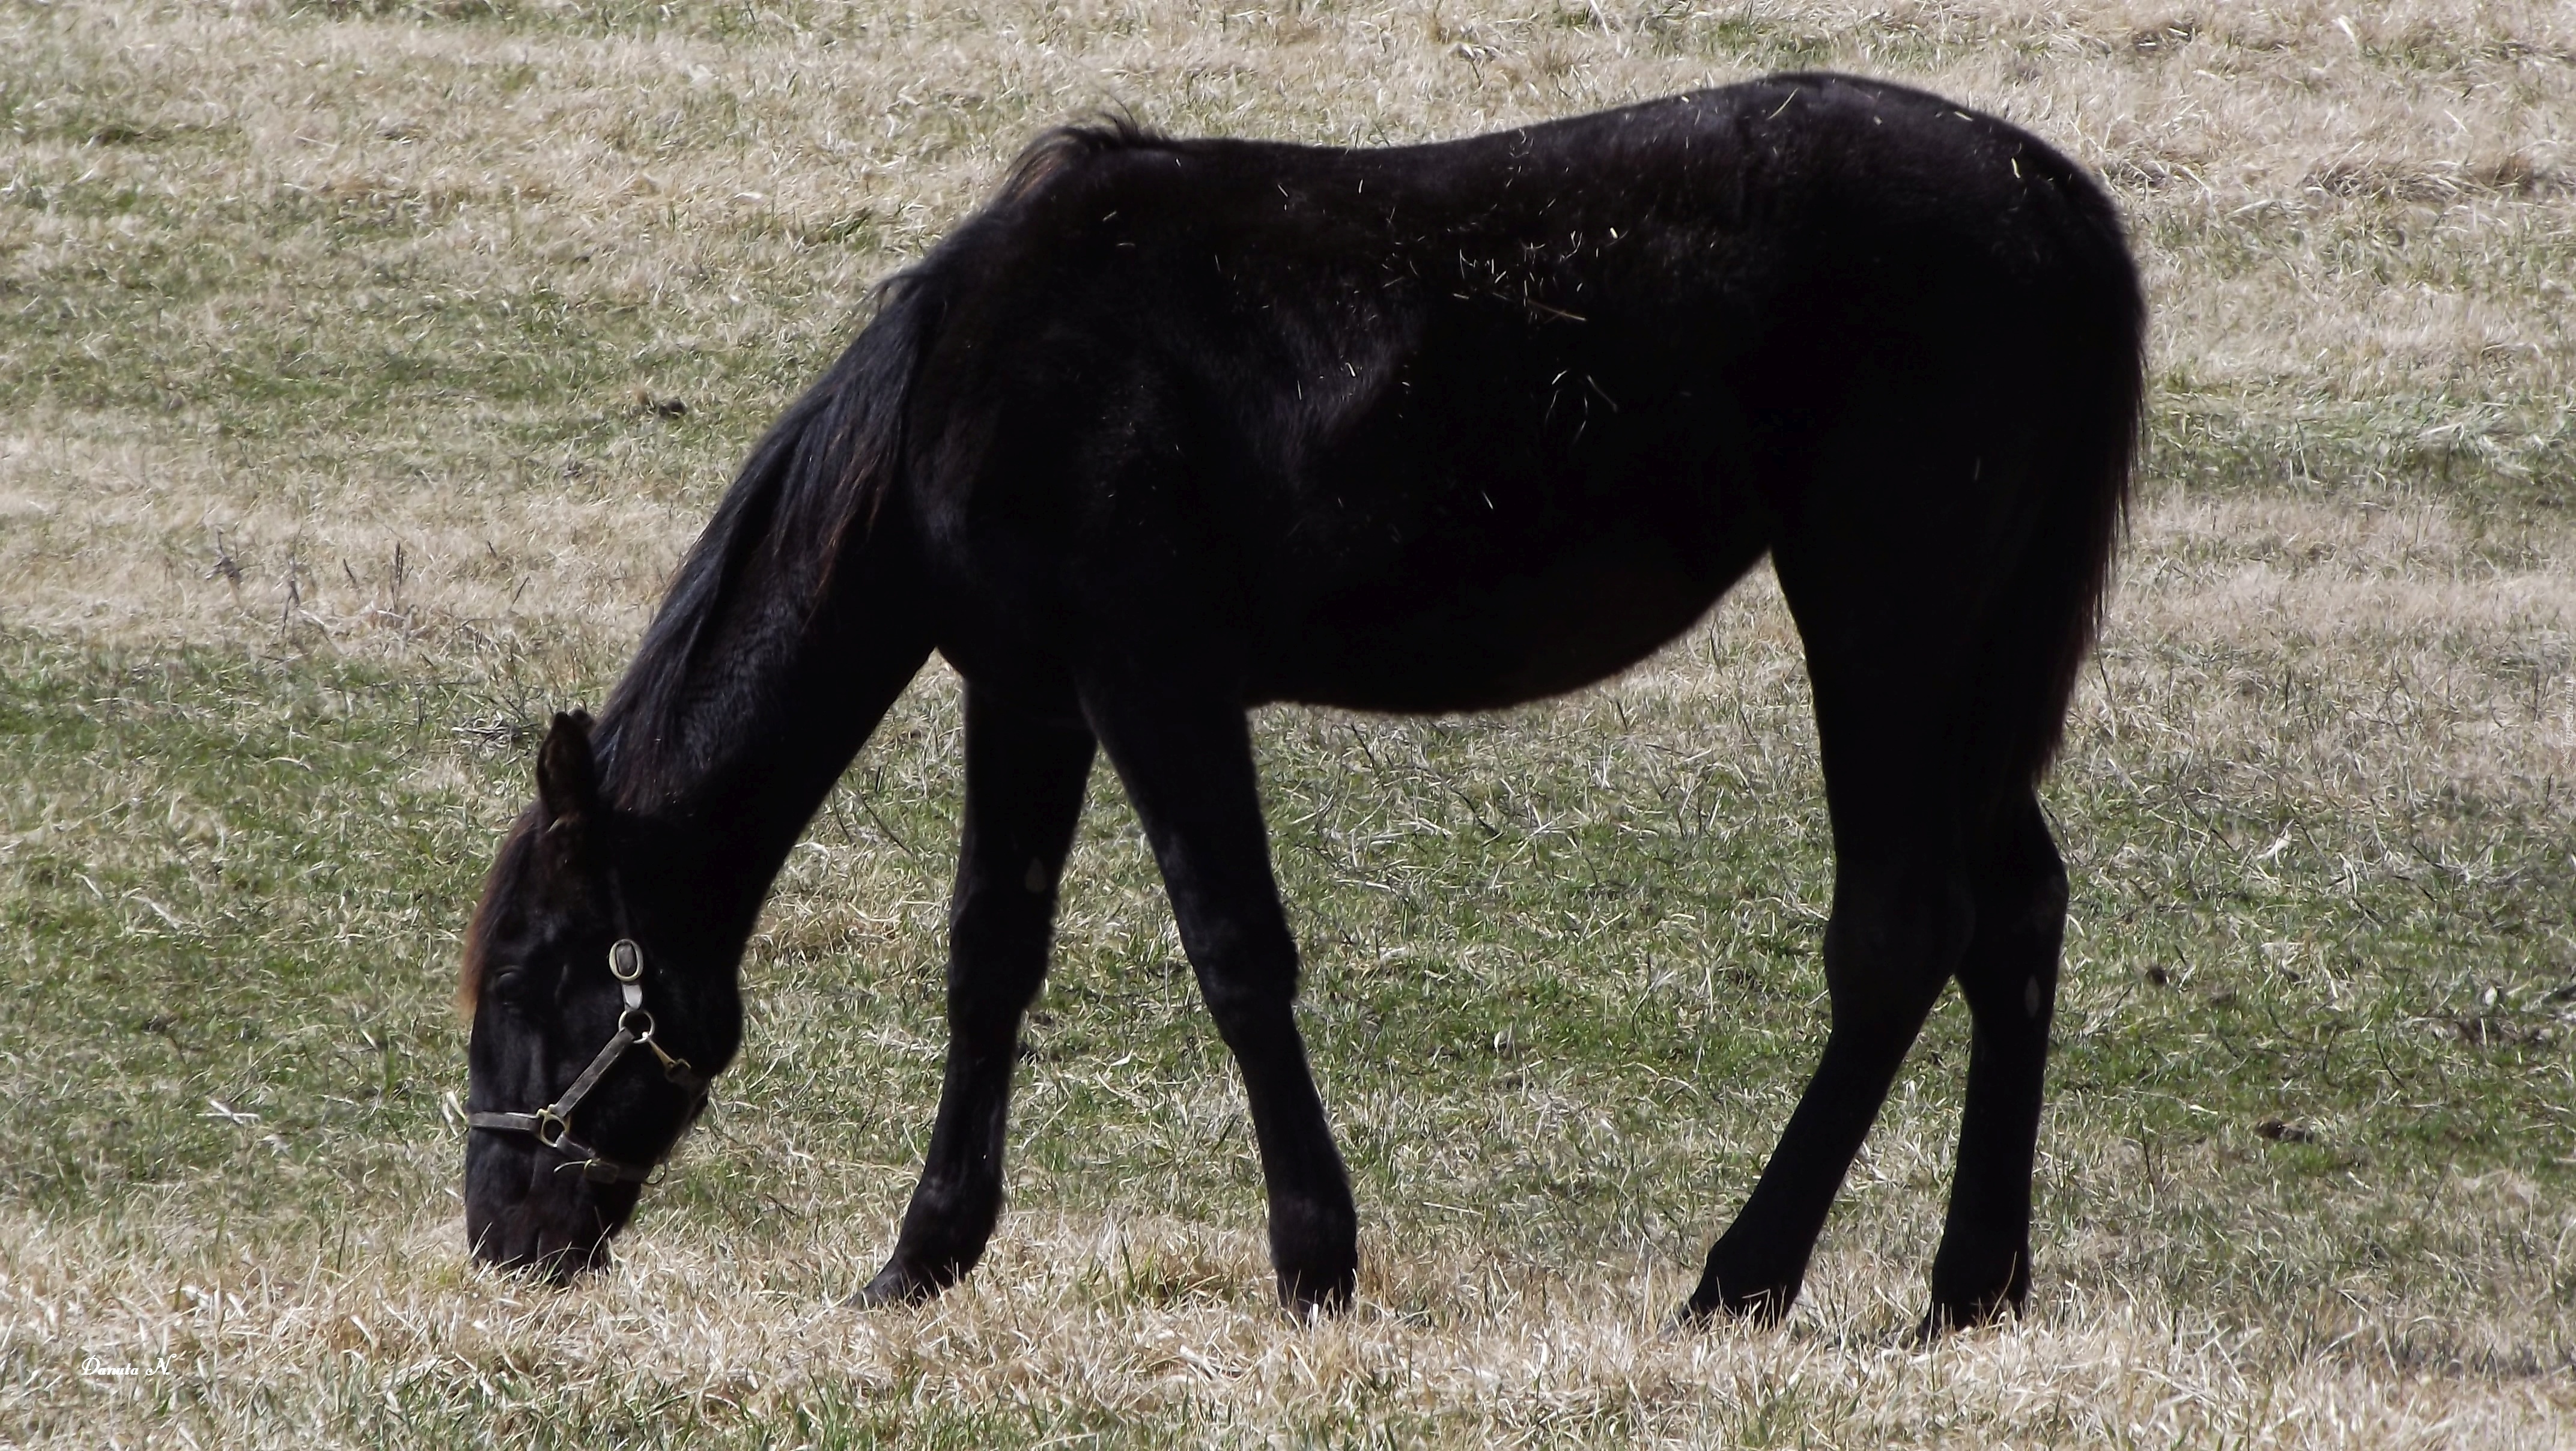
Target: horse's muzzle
(523, 1212)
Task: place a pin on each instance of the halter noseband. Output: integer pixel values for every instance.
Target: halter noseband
(552, 1125)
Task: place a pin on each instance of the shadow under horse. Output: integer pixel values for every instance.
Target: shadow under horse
(1172, 428)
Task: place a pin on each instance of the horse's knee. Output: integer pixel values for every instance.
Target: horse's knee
(2010, 974)
(1247, 977)
(2027, 884)
(2021, 871)
(1248, 1013)
(997, 955)
(1894, 939)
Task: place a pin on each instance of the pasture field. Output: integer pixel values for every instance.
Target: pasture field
(365, 365)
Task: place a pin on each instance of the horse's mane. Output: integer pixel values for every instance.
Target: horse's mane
(469, 963)
(756, 576)
(809, 494)
(1061, 148)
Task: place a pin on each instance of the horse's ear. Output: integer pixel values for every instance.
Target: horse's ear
(567, 776)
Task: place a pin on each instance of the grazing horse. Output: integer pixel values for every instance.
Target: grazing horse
(1172, 428)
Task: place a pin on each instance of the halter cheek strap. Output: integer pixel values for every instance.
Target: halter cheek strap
(552, 1125)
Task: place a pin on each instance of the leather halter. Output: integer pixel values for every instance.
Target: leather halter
(552, 1125)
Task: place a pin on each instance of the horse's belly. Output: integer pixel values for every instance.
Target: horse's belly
(1479, 626)
(1504, 530)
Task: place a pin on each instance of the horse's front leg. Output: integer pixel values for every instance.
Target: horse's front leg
(1026, 766)
(1187, 761)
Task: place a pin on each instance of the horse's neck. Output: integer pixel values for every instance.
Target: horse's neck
(704, 837)
(723, 777)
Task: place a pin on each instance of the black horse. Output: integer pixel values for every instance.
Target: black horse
(1176, 427)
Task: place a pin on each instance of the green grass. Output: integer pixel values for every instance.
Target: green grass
(1562, 985)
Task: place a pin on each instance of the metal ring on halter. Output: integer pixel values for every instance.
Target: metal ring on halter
(643, 1035)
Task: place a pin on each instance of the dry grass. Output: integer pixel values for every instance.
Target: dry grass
(337, 345)
(1138, 1329)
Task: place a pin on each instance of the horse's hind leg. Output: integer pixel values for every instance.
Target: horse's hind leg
(1899, 917)
(1026, 765)
(1885, 626)
(2009, 977)
(1187, 761)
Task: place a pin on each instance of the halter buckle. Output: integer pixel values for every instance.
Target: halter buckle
(675, 1069)
(625, 960)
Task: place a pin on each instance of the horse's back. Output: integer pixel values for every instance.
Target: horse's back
(1452, 425)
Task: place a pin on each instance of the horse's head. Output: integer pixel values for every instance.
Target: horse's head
(593, 1032)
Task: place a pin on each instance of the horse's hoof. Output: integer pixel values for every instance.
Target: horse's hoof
(1312, 1297)
(1946, 1318)
(1759, 1307)
(894, 1285)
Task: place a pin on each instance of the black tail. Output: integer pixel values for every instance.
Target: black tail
(2049, 612)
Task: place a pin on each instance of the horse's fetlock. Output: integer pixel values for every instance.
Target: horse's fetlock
(1745, 1284)
(1326, 1223)
(1321, 1272)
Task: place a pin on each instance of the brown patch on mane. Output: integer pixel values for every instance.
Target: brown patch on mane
(469, 964)
(469, 967)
